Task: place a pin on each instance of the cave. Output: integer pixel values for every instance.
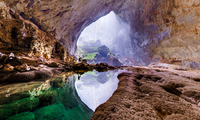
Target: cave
(98, 59)
(106, 40)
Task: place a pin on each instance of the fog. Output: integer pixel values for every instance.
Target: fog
(112, 32)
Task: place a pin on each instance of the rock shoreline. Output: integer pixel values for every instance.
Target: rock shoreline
(29, 75)
(153, 93)
(24, 69)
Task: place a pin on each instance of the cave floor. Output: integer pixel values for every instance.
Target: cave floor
(154, 93)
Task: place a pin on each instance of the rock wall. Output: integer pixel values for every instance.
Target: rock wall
(165, 30)
(184, 43)
(22, 35)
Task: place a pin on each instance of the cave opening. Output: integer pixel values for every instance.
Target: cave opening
(106, 40)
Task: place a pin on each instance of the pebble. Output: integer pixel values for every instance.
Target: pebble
(11, 55)
(7, 95)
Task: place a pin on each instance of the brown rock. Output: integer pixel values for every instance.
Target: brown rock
(23, 68)
(17, 33)
(42, 66)
(84, 61)
(12, 61)
(53, 64)
(33, 68)
(140, 96)
(31, 75)
(165, 30)
(1, 66)
(79, 66)
(103, 64)
(28, 61)
(8, 68)
(2, 58)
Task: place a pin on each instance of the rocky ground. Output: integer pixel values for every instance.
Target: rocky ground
(20, 67)
(156, 92)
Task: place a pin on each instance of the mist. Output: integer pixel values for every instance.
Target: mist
(111, 31)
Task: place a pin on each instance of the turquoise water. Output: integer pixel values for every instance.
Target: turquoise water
(68, 96)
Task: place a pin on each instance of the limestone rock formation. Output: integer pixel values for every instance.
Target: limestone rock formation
(8, 68)
(19, 34)
(183, 44)
(23, 68)
(161, 31)
(166, 30)
(154, 94)
(66, 19)
(53, 64)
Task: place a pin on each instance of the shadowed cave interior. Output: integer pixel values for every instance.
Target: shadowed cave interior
(98, 59)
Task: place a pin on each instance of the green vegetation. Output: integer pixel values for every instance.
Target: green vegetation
(91, 73)
(90, 56)
(94, 54)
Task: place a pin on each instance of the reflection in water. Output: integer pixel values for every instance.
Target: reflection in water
(95, 88)
(57, 98)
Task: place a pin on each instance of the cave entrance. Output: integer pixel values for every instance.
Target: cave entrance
(106, 40)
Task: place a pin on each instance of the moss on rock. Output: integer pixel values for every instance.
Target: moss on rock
(23, 116)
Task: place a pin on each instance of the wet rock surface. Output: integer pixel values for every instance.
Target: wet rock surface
(24, 69)
(153, 93)
(29, 68)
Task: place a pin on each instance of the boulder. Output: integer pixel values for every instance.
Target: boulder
(1, 66)
(80, 66)
(23, 68)
(8, 68)
(29, 61)
(103, 64)
(42, 66)
(40, 60)
(53, 64)
(12, 60)
(2, 57)
(33, 68)
(84, 61)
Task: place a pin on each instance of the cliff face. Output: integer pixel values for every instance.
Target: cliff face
(183, 44)
(19, 34)
(164, 30)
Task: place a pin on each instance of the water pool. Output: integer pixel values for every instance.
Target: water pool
(68, 96)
